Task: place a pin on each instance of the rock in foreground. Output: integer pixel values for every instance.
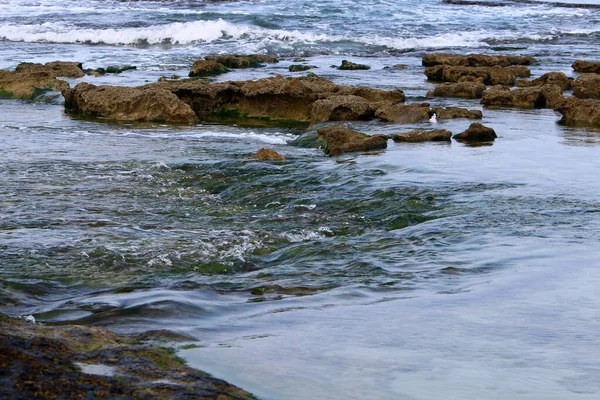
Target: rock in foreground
(476, 133)
(583, 112)
(338, 139)
(587, 86)
(586, 66)
(416, 136)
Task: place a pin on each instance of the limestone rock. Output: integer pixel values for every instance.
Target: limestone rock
(404, 114)
(265, 154)
(584, 112)
(456, 112)
(435, 135)
(551, 78)
(26, 83)
(339, 139)
(587, 86)
(243, 61)
(207, 68)
(488, 75)
(350, 66)
(476, 133)
(300, 67)
(468, 90)
(342, 108)
(548, 96)
(475, 60)
(586, 66)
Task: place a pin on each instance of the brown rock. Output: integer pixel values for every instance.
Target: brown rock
(551, 78)
(243, 61)
(67, 69)
(128, 103)
(342, 108)
(476, 133)
(207, 68)
(475, 60)
(586, 66)
(350, 66)
(435, 135)
(587, 86)
(456, 112)
(489, 75)
(404, 114)
(265, 154)
(548, 96)
(27, 82)
(469, 90)
(584, 112)
(339, 139)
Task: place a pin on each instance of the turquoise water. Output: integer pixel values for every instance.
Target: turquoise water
(421, 271)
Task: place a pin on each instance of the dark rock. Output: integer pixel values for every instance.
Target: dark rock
(265, 154)
(456, 112)
(300, 67)
(243, 61)
(475, 60)
(587, 86)
(488, 75)
(586, 66)
(435, 135)
(128, 103)
(350, 66)
(583, 112)
(551, 78)
(468, 90)
(338, 139)
(404, 114)
(476, 133)
(202, 68)
(548, 96)
(113, 69)
(28, 82)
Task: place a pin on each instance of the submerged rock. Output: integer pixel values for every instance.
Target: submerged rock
(434, 135)
(78, 362)
(243, 61)
(547, 96)
(551, 78)
(585, 112)
(144, 103)
(300, 67)
(487, 75)
(265, 154)
(468, 90)
(207, 68)
(338, 139)
(587, 86)
(350, 66)
(475, 60)
(477, 133)
(28, 82)
(586, 66)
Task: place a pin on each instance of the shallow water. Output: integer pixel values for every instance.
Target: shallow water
(418, 272)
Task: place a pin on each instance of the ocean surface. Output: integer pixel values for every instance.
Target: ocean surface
(423, 271)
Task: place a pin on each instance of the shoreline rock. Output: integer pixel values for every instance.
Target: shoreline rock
(475, 60)
(580, 112)
(417, 136)
(27, 84)
(202, 68)
(467, 90)
(236, 61)
(587, 86)
(476, 133)
(547, 96)
(487, 75)
(337, 139)
(266, 154)
(586, 66)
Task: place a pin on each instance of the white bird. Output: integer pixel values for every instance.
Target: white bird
(433, 118)
(30, 318)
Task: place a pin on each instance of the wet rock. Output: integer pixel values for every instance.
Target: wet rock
(338, 139)
(265, 154)
(586, 66)
(113, 69)
(28, 83)
(456, 112)
(404, 113)
(475, 60)
(350, 66)
(548, 96)
(243, 61)
(468, 90)
(488, 75)
(202, 68)
(435, 135)
(551, 78)
(342, 108)
(128, 103)
(300, 67)
(476, 133)
(78, 362)
(57, 68)
(587, 86)
(583, 112)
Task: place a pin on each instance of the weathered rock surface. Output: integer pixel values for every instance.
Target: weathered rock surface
(434, 135)
(476, 133)
(342, 108)
(202, 68)
(547, 96)
(475, 60)
(57, 68)
(350, 66)
(42, 362)
(487, 75)
(584, 112)
(404, 113)
(338, 139)
(146, 103)
(243, 61)
(28, 82)
(456, 112)
(551, 78)
(265, 154)
(300, 67)
(586, 66)
(468, 90)
(587, 86)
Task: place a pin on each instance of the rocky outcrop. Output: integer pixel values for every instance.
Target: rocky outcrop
(476, 133)
(243, 61)
(551, 78)
(146, 103)
(586, 66)
(337, 139)
(112, 69)
(265, 154)
(342, 108)
(486, 75)
(78, 362)
(468, 90)
(582, 112)
(547, 96)
(350, 66)
(475, 60)
(64, 69)
(456, 112)
(202, 68)
(300, 67)
(416, 136)
(587, 86)
(28, 82)
(404, 113)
